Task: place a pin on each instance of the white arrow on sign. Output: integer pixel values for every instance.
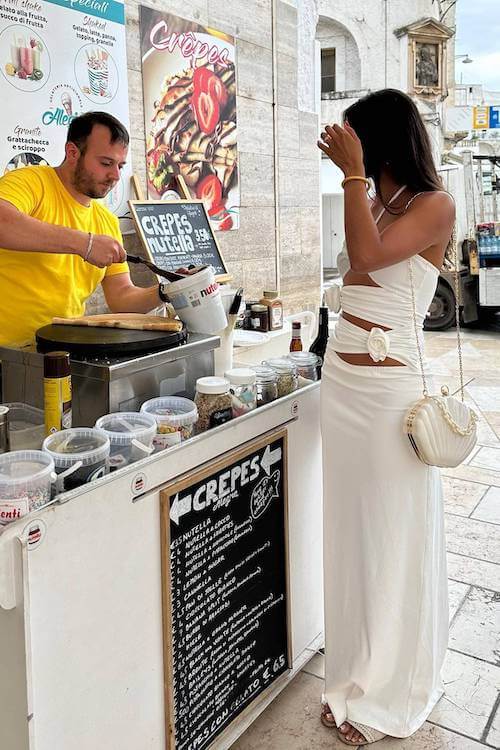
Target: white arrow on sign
(269, 458)
(180, 508)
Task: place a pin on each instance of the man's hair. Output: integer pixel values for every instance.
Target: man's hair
(81, 127)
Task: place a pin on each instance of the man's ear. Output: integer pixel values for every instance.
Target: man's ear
(72, 152)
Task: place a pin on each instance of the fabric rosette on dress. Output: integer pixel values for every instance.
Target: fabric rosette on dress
(378, 344)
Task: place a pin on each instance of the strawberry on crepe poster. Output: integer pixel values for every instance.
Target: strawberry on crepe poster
(189, 84)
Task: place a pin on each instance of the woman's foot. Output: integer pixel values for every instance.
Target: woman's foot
(327, 718)
(351, 734)
(355, 734)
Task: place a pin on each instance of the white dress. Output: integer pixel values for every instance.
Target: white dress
(386, 596)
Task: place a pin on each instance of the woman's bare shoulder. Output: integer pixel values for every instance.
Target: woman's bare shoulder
(437, 203)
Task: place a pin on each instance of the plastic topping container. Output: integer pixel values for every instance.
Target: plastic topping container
(214, 402)
(80, 455)
(175, 419)
(130, 435)
(307, 364)
(243, 390)
(26, 427)
(25, 483)
(286, 371)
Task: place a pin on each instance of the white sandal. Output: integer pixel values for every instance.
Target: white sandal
(371, 735)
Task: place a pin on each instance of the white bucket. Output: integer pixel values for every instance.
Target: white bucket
(197, 301)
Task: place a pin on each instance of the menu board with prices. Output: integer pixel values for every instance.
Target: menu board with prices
(177, 234)
(224, 558)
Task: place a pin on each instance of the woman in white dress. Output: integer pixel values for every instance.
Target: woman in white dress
(386, 603)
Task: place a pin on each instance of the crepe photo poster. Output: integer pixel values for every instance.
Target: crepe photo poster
(59, 59)
(189, 84)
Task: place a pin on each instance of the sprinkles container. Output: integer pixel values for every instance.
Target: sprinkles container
(175, 419)
(80, 455)
(25, 483)
(130, 434)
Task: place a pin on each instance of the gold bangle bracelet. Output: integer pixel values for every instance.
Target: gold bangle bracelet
(356, 177)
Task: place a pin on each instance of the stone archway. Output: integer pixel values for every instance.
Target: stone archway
(333, 35)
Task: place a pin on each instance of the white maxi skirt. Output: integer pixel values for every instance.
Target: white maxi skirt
(386, 594)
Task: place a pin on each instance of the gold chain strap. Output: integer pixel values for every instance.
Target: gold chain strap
(453, 242)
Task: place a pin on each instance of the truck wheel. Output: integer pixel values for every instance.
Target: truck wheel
(441, 313)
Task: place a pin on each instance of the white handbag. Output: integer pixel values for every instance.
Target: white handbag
(442, 429)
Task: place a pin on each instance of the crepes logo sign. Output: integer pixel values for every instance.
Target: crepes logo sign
(66, 104)
(188, 44)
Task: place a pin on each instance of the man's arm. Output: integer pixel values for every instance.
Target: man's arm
(18, 231)
(123, 296)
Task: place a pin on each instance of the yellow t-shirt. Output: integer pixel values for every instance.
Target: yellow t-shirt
(36, 287)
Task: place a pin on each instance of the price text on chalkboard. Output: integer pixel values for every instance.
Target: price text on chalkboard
(224, 559)
(177, 234)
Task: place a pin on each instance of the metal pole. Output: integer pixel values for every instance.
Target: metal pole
(480, 187)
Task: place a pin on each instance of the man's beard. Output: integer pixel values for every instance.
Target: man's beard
(85, 184)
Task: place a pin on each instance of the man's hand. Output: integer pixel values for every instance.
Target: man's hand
(105, 251)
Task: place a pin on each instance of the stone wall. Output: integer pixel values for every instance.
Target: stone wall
(279, 229)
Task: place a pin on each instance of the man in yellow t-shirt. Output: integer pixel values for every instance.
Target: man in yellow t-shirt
(57, 243)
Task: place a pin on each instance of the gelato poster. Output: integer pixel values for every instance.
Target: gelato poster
(189, 86)
(59, 59)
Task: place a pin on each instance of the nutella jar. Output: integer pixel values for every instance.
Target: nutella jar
(259, 320)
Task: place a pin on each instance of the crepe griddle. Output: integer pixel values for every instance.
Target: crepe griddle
(92, 342)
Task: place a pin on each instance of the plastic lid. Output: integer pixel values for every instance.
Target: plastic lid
(241, 376)
(173, 410)
(56, 365)
(20, 467)
(265, 374)
(212, 385)
(123, 427)
(281, 365)
(86, 444)
(304, 359)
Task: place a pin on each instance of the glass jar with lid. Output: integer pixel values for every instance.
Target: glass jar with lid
(259, 320)
(213, 401)
(286, 371)
(267, 384)
(307, 364)
(243, 389)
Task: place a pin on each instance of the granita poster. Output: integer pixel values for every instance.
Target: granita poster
(189, 84)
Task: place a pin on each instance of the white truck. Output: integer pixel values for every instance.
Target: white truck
(478, 252)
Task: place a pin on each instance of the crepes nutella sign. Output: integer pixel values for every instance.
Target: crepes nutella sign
(189, 82)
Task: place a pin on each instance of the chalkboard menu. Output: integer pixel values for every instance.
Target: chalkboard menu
(224, 589)
(177, 234)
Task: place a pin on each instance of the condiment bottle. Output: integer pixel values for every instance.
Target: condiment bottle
(259, 318)
(4, 429)
(318, 346)
(274, 310)
(296, 342)
(57, 391)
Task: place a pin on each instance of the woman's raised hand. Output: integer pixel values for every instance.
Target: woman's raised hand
(343, 147)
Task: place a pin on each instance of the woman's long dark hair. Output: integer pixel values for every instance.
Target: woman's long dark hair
(394, 138)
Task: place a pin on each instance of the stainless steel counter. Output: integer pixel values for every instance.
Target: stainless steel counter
(102, 385)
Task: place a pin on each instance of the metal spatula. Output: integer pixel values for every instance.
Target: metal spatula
(169, 275)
